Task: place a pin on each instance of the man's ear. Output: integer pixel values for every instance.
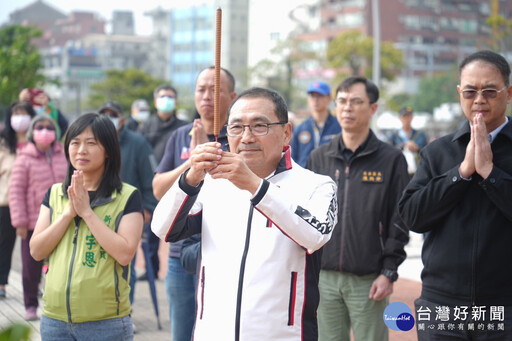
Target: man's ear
(374, 107)
(287, 133)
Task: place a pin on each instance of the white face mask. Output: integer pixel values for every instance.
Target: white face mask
(115, 121)
(166, 104)
(40, 110)
(20, 123)
(143, 116)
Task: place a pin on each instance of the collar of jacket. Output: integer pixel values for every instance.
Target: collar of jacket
(465, 130)
(337, 141)
(286, 161)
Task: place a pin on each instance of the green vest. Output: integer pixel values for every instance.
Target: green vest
(84, 283)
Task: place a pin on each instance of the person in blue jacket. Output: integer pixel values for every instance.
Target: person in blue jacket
(319, 128)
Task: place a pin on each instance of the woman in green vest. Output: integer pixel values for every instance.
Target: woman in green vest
(89, 227)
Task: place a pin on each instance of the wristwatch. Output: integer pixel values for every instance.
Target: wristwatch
(392, 275)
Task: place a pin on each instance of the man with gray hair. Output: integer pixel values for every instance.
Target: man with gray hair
(260, 230)
(157, 130)
(140, 114)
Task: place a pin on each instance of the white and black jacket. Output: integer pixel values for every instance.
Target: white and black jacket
(259, 271)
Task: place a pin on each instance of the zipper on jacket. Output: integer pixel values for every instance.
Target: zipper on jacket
(70, 274)
(116, 286)
(291, 304)
(344, 211)
(473, 261)
(241, 275)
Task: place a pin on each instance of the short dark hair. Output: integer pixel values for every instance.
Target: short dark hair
(105, 133)
(231, 78)
(8, 134)
(372, 91)
(164, 87)
(489, 57)
(280, 107)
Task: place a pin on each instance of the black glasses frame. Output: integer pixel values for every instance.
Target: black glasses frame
(251, 128)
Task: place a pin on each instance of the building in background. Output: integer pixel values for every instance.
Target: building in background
(434, 35)
(123, 23)
(76, 51)
(184, 38)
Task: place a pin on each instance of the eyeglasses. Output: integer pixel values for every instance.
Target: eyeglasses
(486, 93)
(354, 102)
(257, 129)
(40, 127)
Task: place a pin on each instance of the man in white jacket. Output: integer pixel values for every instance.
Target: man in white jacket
(262, 217)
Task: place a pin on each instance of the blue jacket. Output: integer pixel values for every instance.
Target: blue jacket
(303, 140)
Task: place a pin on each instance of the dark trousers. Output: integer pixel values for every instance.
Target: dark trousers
(31, 273)
(440, 322)
(7, 240)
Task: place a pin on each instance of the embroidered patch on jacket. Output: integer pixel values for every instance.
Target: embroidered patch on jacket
(304, 137)
(372, 176)
(185, 153)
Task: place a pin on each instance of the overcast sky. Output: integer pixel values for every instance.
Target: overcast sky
(103, 7)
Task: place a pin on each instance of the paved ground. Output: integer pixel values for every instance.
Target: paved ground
(406, 290)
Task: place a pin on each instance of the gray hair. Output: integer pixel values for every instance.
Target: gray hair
(35, 120)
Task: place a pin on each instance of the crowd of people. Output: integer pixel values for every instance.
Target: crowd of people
(277, 232)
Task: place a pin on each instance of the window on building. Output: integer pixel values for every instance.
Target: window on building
(468, 26)
(275, 36)
(350, 20)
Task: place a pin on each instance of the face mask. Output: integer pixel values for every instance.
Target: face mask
(115, 120)
(143, 116)
(166, 104)
(39, 110)
(44, 137)
(20, 123)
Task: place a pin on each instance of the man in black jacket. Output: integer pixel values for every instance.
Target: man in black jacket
(359, 263)
(157, 130)
(461, 195)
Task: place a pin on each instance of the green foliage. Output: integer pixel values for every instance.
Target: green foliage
(354, 52)
(397, 101)
(501, 34)
(20, 62)
(435, 91)
(124, 86)
(16, 332)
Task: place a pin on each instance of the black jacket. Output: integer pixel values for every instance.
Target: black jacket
(157, 132)
(467, 252)
(369, 236)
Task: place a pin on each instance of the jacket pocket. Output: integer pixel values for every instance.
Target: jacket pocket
(201, 304)
(291, 304)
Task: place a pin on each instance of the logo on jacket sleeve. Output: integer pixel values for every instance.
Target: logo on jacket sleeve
(304, 137)
(372, 176)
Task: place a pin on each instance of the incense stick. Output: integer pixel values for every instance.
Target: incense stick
(216, 104)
